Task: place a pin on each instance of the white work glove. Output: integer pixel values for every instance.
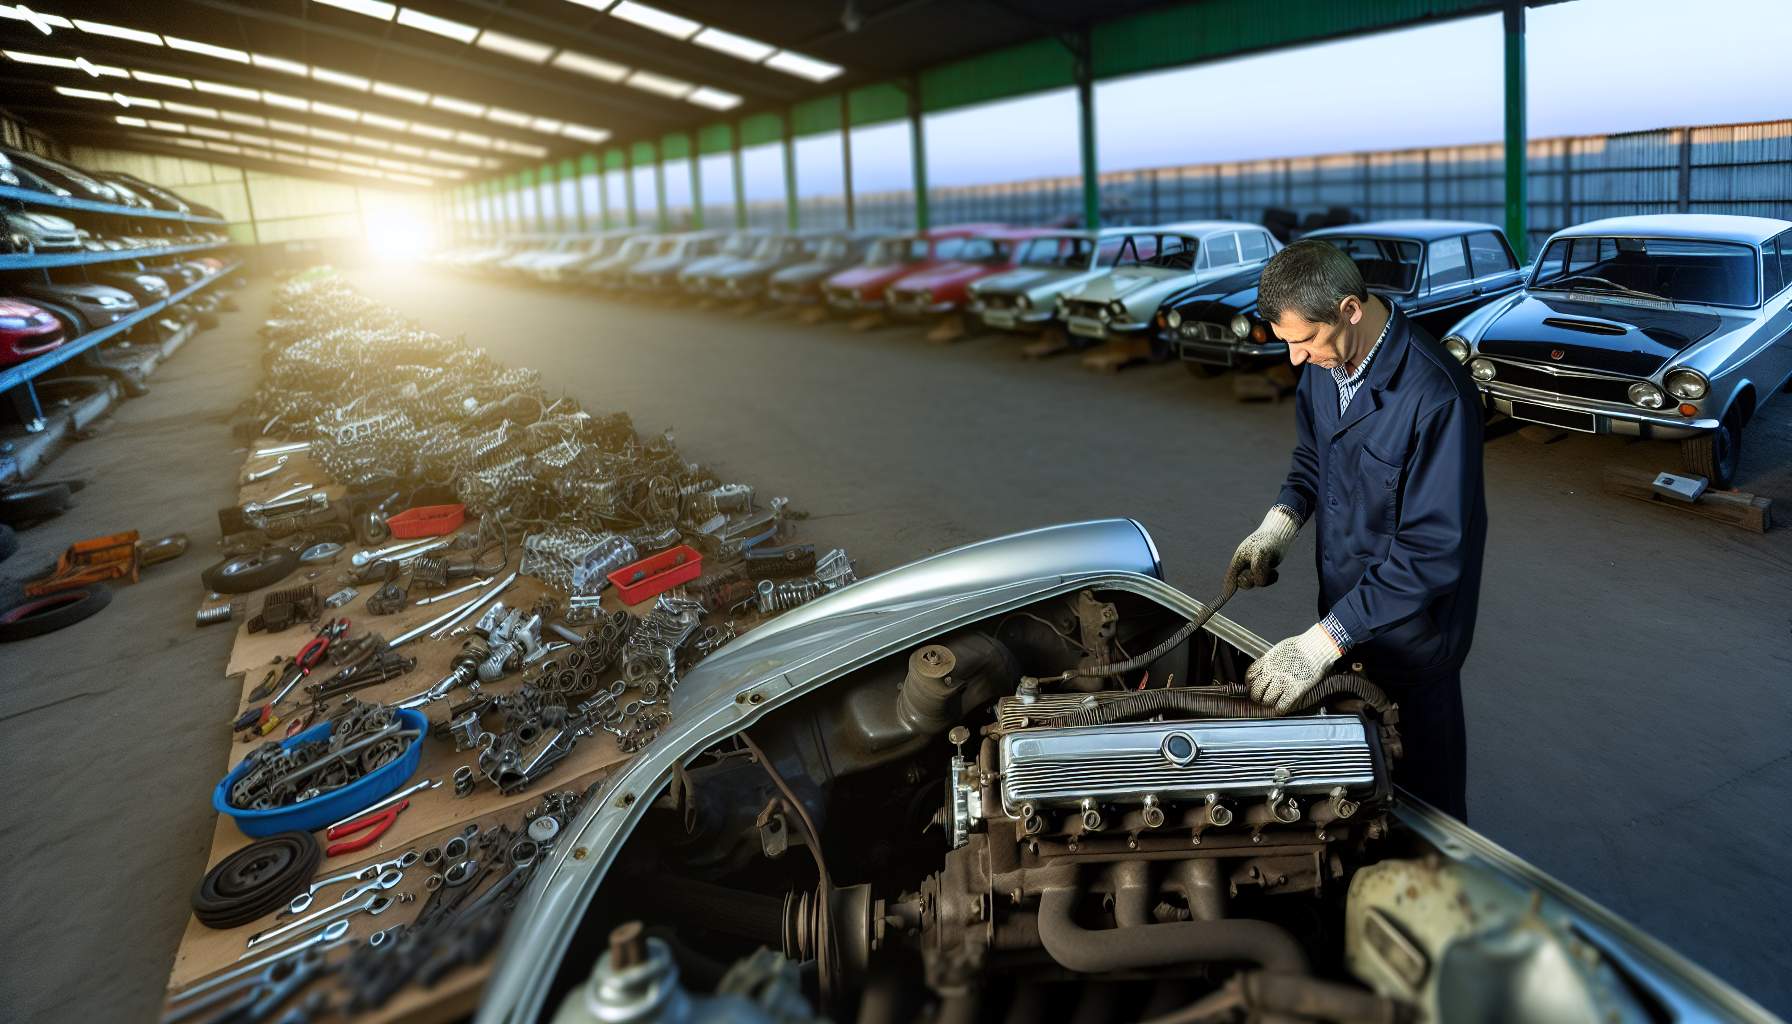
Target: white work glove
(1254, 563)
(1291, 668)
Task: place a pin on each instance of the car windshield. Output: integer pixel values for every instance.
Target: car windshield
(1069, 252)
(891, 250)
(1389, 264)
(636, 247)
(1173, 252)
(739, 245)
(834, 249)
(768, 248)
(975, 250)
(1658, 269)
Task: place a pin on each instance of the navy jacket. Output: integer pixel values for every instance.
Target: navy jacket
(1395, 489)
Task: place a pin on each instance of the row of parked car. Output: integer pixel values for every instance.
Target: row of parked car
(1672, 326)
(39, 316)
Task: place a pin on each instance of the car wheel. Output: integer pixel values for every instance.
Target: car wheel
(37, 501)
(1716, 455)
(39, 615)
(1202, 369)
(243, 573)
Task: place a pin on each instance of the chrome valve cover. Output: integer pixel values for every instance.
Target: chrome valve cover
(1181, 762)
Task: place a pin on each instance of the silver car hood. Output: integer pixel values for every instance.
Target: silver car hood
(775, 664)
(815, 644)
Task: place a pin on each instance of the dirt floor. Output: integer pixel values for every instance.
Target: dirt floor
(1626, 702)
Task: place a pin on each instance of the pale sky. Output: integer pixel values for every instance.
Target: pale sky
(1596, 66)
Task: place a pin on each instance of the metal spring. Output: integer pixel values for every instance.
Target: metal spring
(212, 614)
(790, 593)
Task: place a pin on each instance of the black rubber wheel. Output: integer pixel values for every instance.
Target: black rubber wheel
(33, 501)
(243, 573)
(256, 880)
(1716, 455)
(1202, 369)
(36, 616)
(9, 542)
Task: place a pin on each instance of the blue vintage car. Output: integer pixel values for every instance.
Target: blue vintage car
(1670, 326)
(1436, 271)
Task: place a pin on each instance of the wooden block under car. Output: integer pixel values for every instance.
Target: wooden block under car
(1750, 512)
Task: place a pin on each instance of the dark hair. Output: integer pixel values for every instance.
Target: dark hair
(1308, 279)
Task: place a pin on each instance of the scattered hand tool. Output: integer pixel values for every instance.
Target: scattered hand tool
(371, 828)
(261, 718)
(91, 561)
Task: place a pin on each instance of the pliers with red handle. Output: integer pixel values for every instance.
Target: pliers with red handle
(309, 656)
(372, 827)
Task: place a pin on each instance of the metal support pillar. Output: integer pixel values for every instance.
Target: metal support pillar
(791, 216)
(918, 150)
(740, 179)
(661, 218)
(578, 197)
(249, 205)
(1078, 45)
(696, 161)
(1517, 205)
(603, 194)
(628, 186)
(846, 157)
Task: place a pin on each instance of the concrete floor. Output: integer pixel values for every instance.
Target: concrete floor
(1628, 729)
(113, 731)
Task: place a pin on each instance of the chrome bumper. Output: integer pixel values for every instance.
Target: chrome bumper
(850, 304)
(1219, 353)
(921, 309)
(1607, 418)
(1010, 319)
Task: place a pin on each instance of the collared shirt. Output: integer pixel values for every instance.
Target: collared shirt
(1350, 381)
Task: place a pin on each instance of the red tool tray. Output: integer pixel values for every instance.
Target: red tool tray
(657, 573)
(427, 521)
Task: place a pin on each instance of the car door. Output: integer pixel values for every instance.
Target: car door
(1447, 290)
(1772, 365)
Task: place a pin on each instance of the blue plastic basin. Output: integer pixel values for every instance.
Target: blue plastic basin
(315, 813)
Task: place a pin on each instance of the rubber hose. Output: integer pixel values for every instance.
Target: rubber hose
(1187, 700)
(256, 880)
(1235, 940)
(1134, 664)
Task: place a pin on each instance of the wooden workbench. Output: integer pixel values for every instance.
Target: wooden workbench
(435, 814)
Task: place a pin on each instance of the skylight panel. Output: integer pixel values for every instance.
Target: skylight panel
(224, 147)
(458, 31)
(332, 110)
(289, 127)
(206, 49)
(474, 139)
(39, 20)
(407, 150)
(100, 28)
(734, 46)
(430, 131)
(382, 121)
(84, 94)
(343, 79)
(662, 85)
(168, 126)
(136, 101)
(714, 99)
(550, 125)
(792, 63)
(455, 106)
(131, 122)
(291, 67)
(153, 78)
(280, 99)
(330, 135)
(209, 113)
(582, 133)
(371, 8)
(371, 143)
(514, 118)
(210, 133)
(222, 89)
(399, 92)
(514, 46)
(41, 59)
(664, 22)
(245, 119)
(589, 66)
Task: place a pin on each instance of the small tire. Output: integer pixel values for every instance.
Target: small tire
(1716, 455)
(9, 542)
(240, 574)
(39, 615)
(33, 502)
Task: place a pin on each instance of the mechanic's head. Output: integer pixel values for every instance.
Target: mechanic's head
(1313, 295)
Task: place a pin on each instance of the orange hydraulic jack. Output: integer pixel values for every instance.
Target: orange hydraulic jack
(91, 561)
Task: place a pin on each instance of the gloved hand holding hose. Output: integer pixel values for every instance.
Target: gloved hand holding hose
(1254, 563)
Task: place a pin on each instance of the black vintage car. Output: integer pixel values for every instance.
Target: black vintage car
(1436, 271)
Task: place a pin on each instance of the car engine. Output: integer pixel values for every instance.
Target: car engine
(994, 826)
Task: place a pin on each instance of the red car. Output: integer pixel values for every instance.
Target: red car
(940, 288)
(26, 331)
(861, 288)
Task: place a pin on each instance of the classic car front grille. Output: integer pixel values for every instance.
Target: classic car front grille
(1201, 330)
(997, 300)
(1577, 384)
(1079, 307)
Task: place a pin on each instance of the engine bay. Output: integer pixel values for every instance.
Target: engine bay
(994, 825)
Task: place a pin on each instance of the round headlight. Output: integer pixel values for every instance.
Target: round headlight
(1481, 369)
(1117, 308)
(1061, 304)
(1022, 302)
(1241, 327)
(1103, 315)
(1646, 395)
(1687, 385)
(1457, 347)
(1173, 319)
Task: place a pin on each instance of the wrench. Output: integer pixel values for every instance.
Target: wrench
(274, 969)
(302, 901)
(386, 880)
(280, 449)
(522, 855)
(329, 934)
(387, 802)
(375, 904)
(456, 592)
(363, 557)
(263, 474)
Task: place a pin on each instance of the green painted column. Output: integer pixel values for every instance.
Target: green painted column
(1518, 229)
(740, 183)
(791, 214)
(696, 189)
(918, 149)
(1085, 120)
(846, 157)
(603, 190)
(628, 187)
(659, 190)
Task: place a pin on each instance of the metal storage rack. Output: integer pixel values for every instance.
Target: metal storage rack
(16, 388)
